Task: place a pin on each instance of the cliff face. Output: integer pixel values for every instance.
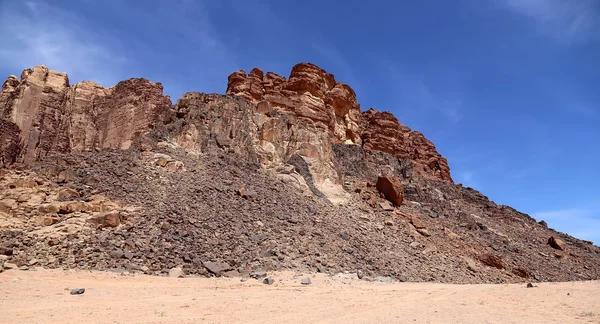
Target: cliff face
(381, 131)
(282, 119)
(45, 115)
(327, 113)
(238, 179)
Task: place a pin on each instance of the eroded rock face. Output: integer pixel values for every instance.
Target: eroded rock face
(310, 93)
(381, 131)
(53, 117)
(270, 137)
(265, 118)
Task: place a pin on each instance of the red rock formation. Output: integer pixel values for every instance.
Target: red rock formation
(52, 117)
(381, 131)
(314, 94)
(44, 116)
(310, 93)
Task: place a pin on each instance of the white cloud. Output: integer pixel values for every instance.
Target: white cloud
(582, 223)
(34, 32)
(567, 21)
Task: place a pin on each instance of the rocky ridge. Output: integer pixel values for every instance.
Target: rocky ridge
(276, 174)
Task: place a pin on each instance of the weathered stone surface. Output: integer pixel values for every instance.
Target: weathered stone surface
(381, 131)
(45, 115)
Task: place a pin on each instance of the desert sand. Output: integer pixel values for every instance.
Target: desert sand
(43, 296)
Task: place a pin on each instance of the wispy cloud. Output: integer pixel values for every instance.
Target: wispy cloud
(35, 32)
(582, 223)
(567, 21)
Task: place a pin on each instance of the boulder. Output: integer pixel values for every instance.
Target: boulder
(109, 219)
(217, 267)
(557, 243)
(391, 188)
(176, 273)
(492, 260)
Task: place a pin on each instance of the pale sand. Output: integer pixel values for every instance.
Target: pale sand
(42, 296)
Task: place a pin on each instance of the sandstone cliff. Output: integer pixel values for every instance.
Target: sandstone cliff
(282, 121)
(314, 97)
(45, 115)
(121, 178)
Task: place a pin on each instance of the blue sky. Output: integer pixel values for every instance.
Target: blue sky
(508, 90)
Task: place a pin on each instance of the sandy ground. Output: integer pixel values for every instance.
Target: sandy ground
(43, 296)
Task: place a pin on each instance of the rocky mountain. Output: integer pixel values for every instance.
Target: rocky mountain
(275, 174)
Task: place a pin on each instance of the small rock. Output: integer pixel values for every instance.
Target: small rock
(424, 232)
(359, 274)
(530, 285)
(364, 218)
(416, 222)
(389, 222)
(7, 205)
(50, 220)
(247, 194)
(176, 273)
(33, 262)
(385, 205)
(492, 261)
(244, 278)
(67, 193)
(217, 267)
(128, 255)
(10, 266)
(24, 268)
(4, 250)
(306, 281)
(258, 274)
(231, 274)
(521, 272)
(536, 277)
(557, 243)
(401, 278)
(414, 244)
(543, 223)
(383, 279)
(269, 281)
(110, 219)
(77, 291)
(3, 257)
(144, 268)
